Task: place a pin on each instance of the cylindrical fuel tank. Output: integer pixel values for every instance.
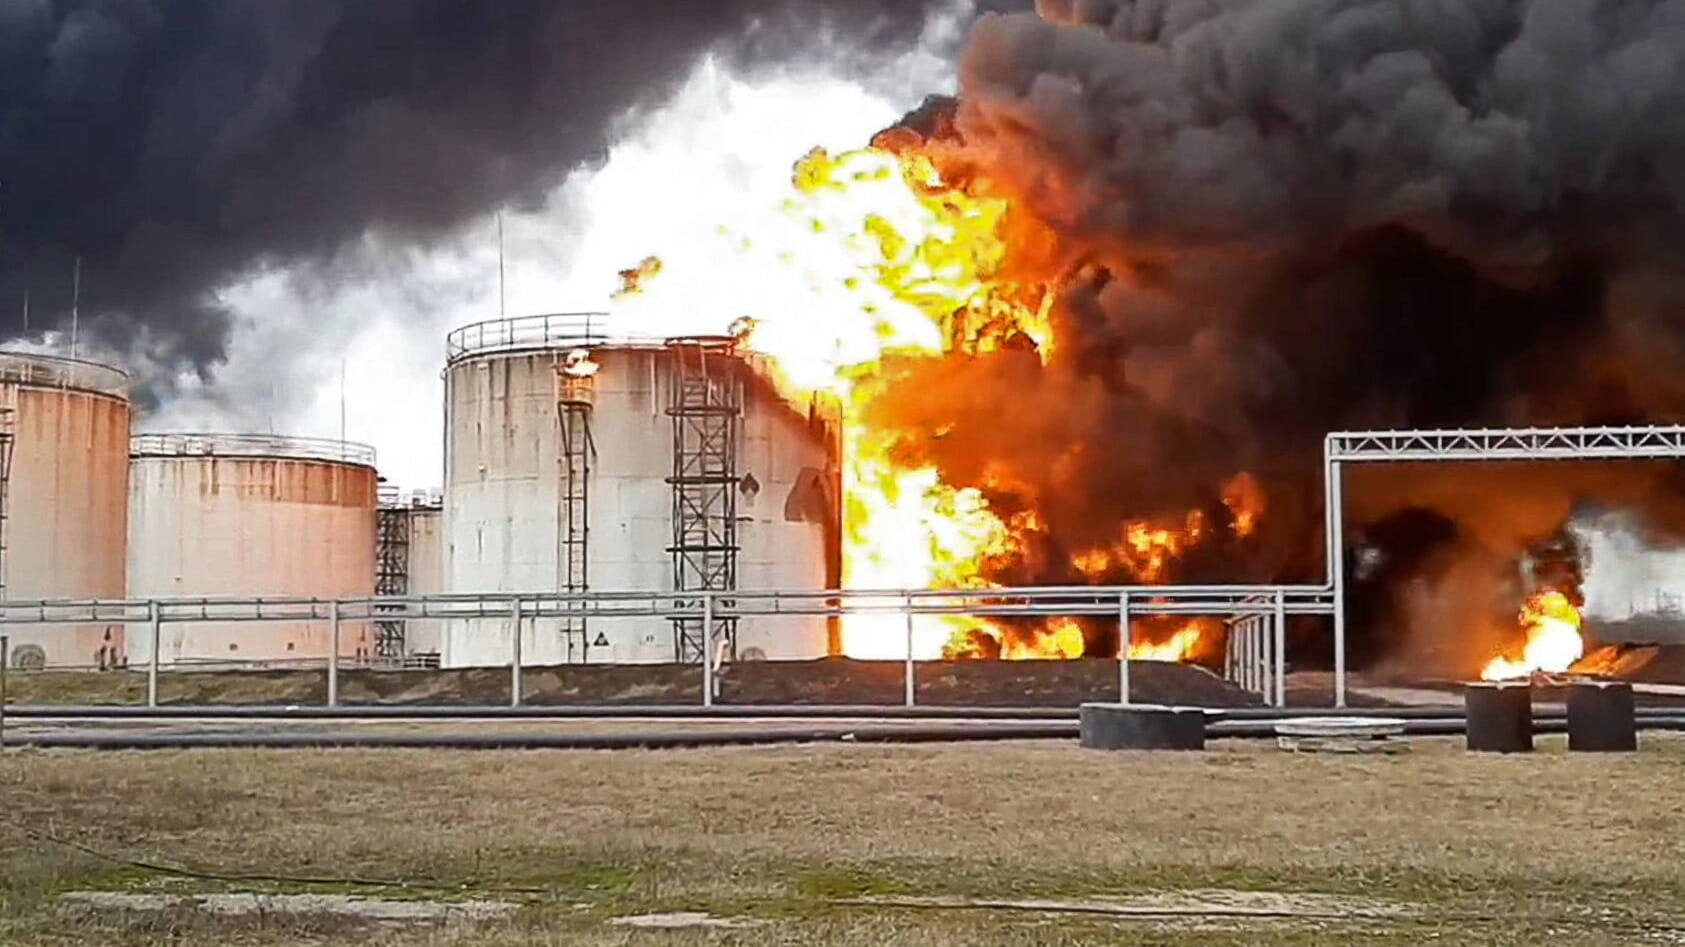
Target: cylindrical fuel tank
(64, 444)
(576, 460)
(250, 515)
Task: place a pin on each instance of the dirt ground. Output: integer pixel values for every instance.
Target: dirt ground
(827, 681)
(934, 846)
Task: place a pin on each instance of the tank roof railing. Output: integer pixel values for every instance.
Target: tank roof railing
(54, 371)
(556, 331)
(268, 446)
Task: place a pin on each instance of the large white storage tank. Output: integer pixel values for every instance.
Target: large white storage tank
(579, 461)
(64, 446)
(219, 515)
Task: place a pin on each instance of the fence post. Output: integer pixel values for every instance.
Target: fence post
(333, 654)
(5, 659)
(1280, 648)
(515, 653)
(1125, 638)
(154, 631)
(707, 649)
(909, 698)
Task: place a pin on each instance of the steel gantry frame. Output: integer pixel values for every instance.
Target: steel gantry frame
(1654, 442)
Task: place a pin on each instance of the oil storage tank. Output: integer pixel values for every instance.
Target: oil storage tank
(244, 515)
(409, 561)
(64, 439)
(578, 460)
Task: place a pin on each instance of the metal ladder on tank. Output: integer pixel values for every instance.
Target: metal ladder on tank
(8, 432)
(704, 406)
(392, 577)
(575, 400)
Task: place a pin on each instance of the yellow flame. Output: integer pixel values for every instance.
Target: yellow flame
(1552, 624)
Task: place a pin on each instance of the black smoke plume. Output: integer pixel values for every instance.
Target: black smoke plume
(174, 145)
(1273, 220)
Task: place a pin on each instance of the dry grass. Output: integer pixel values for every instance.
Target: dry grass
(1493, 850)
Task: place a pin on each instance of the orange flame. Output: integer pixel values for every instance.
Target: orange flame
(898, 263)
(1552, 624)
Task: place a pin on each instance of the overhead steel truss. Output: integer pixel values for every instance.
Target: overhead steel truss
(1573, 443)
(1655, 442)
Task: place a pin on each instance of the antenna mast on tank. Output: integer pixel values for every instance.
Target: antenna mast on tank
(75, 307)
(501, 311)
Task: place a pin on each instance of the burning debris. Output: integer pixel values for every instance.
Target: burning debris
(632, 280)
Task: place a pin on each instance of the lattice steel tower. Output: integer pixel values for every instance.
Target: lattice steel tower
(392, 576)
(705, 403)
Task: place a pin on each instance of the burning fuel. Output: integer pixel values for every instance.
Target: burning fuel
(1553, 644)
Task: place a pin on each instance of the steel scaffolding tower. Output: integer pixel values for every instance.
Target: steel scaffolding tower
(705, 403)
(575, 398)
(392, 577)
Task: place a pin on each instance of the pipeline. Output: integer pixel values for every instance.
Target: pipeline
(538, 741)
(861, 712)
(954, 733)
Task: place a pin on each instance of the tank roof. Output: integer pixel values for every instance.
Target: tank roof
(559, 331)
(266, 446)
(51, 371)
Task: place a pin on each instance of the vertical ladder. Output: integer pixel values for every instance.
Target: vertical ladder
(575, 398)
(8, 428)
(392, 577)
(705, 403)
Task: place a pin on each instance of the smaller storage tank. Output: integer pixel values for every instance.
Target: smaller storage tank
(241, 515)
(409, 560)
(64, 439)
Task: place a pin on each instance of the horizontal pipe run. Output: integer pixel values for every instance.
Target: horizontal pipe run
(1235, 729)
(865, 712)
(531, 741)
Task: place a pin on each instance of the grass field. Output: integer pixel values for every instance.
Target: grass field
(827, 845)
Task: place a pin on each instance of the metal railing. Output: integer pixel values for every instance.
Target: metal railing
(266, 446)
(1236, 603)
(52, 371)
(554, 331)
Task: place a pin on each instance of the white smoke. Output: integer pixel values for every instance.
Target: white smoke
(356, 346)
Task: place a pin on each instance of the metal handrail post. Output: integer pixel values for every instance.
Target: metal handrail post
(5, 659)
(333, 654)
(1125, 638)
(1280, 648)
(154, 631)
(707, 649)
(908, 698)
(515, 653)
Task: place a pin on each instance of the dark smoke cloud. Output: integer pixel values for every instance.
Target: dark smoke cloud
(1277, 219)
(176, 144)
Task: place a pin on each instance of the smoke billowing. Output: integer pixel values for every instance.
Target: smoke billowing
(1272, 220)
(176, 145)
